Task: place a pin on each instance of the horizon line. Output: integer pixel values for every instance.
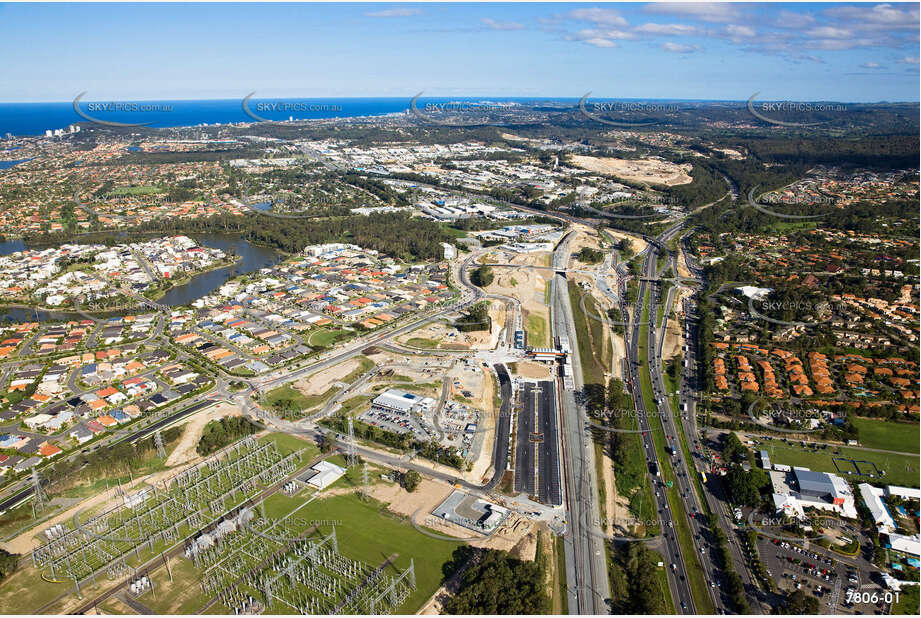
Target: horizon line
(541, 98)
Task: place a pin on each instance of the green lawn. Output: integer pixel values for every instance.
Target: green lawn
(420, 342)
(900, 469)
(908, 602)
(287, 444)
(325, 337)
(536, 327)
(591, 356)
(286, 396)
(888, 435)
(137, 190)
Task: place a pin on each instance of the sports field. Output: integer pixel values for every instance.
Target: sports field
(888, 435)
(899, 469)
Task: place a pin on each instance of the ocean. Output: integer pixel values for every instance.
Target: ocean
(35, 118)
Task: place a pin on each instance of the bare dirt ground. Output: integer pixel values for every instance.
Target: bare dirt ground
(449, 337)
(610, 492)
(636, 243)
(185, 449)
(621, 513)
(531, 369)
(579, 241)
(479, 382)
(525, 284)
(320, 382)
(682, 267)
(653, 171)
(674, 334)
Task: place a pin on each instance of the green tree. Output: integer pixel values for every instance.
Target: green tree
(411, 480)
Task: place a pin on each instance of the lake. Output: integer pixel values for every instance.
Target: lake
(252, 258)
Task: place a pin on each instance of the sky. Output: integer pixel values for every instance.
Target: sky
(855, 52)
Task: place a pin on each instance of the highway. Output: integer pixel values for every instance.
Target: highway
(677, 571)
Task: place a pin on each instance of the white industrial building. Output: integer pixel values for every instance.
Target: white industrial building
(873, 498)
(326, 474)
(905, 544)
(802, 488)
(401, 402)
(906, 493)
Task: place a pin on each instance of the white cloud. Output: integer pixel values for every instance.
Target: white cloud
(502, 25)
(884, 16)
(705, 11)
(598, 16)
(908, 60)
(598, 42)
(829, 32)
(792, 20)
(602, 33)
(394, 13)
(837, 44)
(678, 48)
(870, 65)
(667, 29)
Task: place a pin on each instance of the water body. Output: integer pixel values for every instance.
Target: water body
(35, 118)
(252, 258)
(5, 165)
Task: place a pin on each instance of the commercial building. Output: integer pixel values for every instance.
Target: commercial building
(801, 488)
(873, 498)
(322, 475)
(400, 402)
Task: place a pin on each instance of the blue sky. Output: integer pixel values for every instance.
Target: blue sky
(801, 51)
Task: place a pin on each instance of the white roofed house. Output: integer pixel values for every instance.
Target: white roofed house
(873, 498)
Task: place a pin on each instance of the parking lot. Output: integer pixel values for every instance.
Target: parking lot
(396, 423)
(793, 567)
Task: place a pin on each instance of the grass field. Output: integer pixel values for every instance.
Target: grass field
(287, 444)
(590, 353)
(536, 327)
(900, 469)
(560, 600)
(888, 435)
(138, 190)
(421, 342)
(908, 602)
(286, 395)
(325, 337)
(365, 365)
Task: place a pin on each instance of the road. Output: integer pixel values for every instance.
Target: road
(677, 573)
(586, 560)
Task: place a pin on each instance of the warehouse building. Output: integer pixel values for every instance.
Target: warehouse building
(801, 488)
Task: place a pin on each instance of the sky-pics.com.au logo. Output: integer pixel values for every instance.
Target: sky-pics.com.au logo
(460, 113)
(810, 201)
(620, 113)
(284, 107)
(789, 417)
(96, 108)
(278, 205)
(772, 112)
(819, 313)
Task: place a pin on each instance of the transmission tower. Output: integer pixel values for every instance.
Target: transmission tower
(158, 442)
(39, 493)
(351, 455)
(366, 490)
